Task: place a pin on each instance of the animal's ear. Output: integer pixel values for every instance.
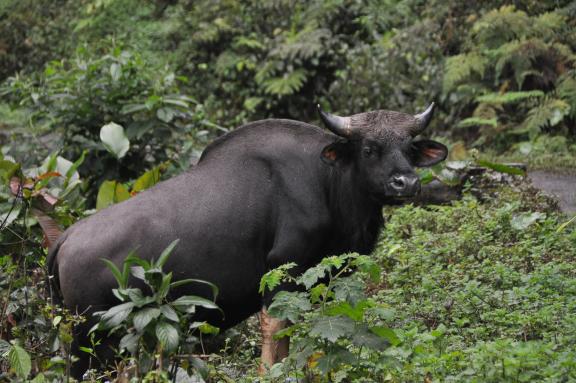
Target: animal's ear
(427, 153)
(336, 153)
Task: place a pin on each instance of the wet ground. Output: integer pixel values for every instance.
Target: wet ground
(559, 185)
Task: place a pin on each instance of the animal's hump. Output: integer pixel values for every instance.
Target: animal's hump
(263, 132)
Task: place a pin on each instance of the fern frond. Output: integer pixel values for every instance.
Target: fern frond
(287, 84)
(265, 72)
(477, 121)
(246, 42)
(461, 67)
(509, 97)
(548, 113)
(566, 90)
(520, 54)
(305, 44)
(547, 25)
(500, 26)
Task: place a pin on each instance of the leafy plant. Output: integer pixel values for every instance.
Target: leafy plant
(339, 331)
(153, 325)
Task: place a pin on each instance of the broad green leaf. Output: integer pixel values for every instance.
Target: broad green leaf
(332, 328)
(166, 114)
(189, 300)
(111, 192)
(368, 339)
(169, 313)
(206, 328)
(289, 305)
(386, 333)
(114, 139)
(182, 282)
(117, 314)
(523, 220)
(130, 342)
(8, 169)
(312, 275)
(167, 335)
(20, 361)
(147, 180)
(143, 317)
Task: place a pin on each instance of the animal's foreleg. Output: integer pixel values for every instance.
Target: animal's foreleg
(273, 351)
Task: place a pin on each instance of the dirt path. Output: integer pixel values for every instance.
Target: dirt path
(560, 185)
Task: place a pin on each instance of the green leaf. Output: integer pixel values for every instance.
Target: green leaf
(116, 272)
(167, 335)
(274, 277)
(114, 139)
(182, 282)
(193, 300)
(565, 224)
(523, 220)
(166, 253)
(130, 342)
(169, 313)
(311, 276)
(206, 328)
(8, 169)
(147, 180)
(509, 97)
(117, 314)
(115, 71)
(386, 333)
(20, 361)
(164, 287)
(143, 317)
(289, 305)
(332, 328)
(501, 168)
(111, 192)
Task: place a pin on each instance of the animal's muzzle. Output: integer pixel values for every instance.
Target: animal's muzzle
(404, 185)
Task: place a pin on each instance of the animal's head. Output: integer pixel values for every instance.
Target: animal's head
(380, 145)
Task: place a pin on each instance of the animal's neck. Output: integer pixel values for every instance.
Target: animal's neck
(358, 217)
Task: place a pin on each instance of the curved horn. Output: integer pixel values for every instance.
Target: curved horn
(422, 120)
(337, 125)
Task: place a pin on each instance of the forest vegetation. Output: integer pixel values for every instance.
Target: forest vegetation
(102, 99)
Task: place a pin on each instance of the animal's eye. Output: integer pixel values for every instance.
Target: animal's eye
(368, 151)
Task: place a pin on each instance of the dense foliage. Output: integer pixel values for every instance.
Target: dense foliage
(100, 99)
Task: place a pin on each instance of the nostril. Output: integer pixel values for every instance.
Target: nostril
(398, 183)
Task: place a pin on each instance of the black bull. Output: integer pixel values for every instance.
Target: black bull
(268, 193)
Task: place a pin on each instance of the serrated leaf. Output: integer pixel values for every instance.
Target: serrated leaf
(143, 317)
(332, 328)
(386, 333)
(20, 361)
(289, 305)
(114, 139)
(167, 335)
